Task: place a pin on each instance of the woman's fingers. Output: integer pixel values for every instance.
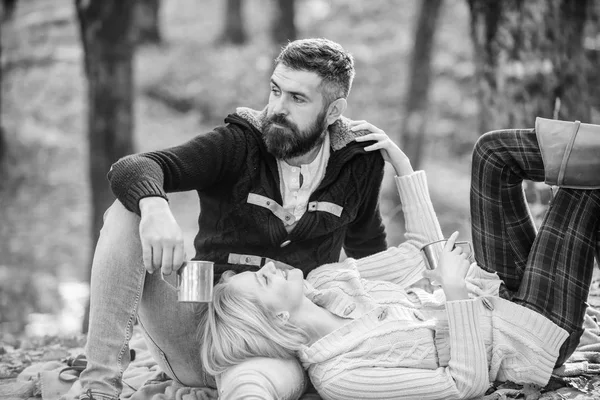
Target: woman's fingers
(380, 136)
(451, 242)
(430, 274)
(352, 122)
(365, 126)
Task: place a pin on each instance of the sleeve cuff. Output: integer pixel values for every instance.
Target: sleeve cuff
(142, 190)
(413, 188)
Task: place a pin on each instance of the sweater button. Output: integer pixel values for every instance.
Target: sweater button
(349, 309)
(418, 315)
(285, 243)
(488, 304)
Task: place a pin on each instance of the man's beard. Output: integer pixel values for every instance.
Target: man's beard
(285, 141)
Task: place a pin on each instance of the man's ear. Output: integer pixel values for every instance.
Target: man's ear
(283, 316)
(335, 110)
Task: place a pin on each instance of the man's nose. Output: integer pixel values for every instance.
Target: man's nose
(279, 106)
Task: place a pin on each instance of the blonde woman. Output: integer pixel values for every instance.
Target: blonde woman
(367, 329)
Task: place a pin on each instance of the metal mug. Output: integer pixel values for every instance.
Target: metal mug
(195, 282)
(432, 250)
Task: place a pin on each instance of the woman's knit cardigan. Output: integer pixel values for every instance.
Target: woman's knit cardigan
(403, 342)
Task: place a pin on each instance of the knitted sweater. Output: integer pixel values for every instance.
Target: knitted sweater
(403, 342)
(237, 181)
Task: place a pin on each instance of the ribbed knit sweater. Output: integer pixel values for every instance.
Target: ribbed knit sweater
(238, 185)
(404, 343)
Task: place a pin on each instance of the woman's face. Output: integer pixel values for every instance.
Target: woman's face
(279, 290)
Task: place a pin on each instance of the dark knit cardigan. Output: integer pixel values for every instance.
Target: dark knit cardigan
(237, 182)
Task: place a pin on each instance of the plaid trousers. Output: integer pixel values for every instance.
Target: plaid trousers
(549, 271)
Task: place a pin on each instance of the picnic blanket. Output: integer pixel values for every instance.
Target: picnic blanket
(143, 380)
(578, 378)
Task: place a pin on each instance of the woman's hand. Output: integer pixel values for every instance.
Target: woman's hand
(389, 150)
(451, 271)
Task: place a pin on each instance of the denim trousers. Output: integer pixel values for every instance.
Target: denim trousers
(122, 292)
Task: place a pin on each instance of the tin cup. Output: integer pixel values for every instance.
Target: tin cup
(195, 282)
(431, 251)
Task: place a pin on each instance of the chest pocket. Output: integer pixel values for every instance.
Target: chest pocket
(288, 218)
(325, 206)
(271, 205)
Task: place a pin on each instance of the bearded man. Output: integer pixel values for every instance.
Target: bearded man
(287, 184)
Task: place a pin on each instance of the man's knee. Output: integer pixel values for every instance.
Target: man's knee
(264, 378)
(120, 230)
(118, 217)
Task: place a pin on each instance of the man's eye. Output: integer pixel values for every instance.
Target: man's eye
(298, 99)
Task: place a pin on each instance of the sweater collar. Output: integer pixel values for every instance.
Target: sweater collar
(340, 134)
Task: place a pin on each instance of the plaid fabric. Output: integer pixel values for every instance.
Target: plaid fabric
(551, 271)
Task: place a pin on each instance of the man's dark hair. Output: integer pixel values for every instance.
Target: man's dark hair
(327, 59)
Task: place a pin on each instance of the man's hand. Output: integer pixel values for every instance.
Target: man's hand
(161, 236)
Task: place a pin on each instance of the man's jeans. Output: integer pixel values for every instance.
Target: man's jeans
(122, 291)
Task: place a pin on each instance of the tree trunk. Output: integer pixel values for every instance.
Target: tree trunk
(148, 22)
(592, 50)
(2, 134)
(8, 9)
(284, 27)
(414, 124)
(529, 59)
(234, 31)
(108, 41)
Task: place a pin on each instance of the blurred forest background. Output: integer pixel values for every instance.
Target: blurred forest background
(85, 82)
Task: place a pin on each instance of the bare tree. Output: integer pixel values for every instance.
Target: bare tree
(2, 134)
(284, 26)
(530, 61)
(414, 123)
(8, 9)
(148, 22)
(592, 50)
(108, 38)
(234, 31)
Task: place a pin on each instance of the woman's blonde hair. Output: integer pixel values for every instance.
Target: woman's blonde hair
(236, 326)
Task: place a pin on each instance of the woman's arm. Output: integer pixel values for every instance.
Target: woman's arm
(402, 264)
(389, 150)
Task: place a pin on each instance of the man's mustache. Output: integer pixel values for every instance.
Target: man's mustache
(281, 120)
